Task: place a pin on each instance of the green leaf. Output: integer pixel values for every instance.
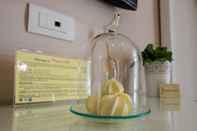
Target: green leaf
(158, 54)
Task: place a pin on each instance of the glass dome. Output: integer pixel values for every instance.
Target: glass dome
(116, 80)
(116, 89)
(114, 56)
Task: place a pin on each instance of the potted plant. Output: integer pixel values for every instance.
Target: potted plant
(157, 62)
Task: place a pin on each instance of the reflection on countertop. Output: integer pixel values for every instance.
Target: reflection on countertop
(167, 115)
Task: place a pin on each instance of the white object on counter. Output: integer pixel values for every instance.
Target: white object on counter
(157, 74)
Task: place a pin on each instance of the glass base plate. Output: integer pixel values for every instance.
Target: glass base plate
(80, 110)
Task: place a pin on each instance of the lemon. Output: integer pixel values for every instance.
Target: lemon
(122, 105)
(113, 101)
(125, 110)
(118, 107)
(111, 87)
(91, 104)
(127, 100)
(115, 105)
(106, 104)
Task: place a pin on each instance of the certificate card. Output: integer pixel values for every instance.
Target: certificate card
(44, 78)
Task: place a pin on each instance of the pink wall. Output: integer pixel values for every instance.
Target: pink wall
(140, 26)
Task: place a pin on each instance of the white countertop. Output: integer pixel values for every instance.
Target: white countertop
(181, 117)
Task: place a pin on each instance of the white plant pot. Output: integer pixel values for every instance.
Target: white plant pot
(157, 74)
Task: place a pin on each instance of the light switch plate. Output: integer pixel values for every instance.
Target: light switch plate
(47, 22)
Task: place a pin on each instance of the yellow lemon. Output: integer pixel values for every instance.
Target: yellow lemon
(122, 105)
(111, 87)
(91, 104)
(127, 100)
(125, 110)
(115, 105)
(118, 107)
(106, 104)
(113, 100)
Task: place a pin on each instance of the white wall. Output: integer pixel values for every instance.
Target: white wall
(183, 22)
(140, 26)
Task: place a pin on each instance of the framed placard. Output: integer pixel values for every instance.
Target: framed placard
(44, 78)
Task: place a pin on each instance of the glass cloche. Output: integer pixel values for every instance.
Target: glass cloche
(116, 82)
(115, 56)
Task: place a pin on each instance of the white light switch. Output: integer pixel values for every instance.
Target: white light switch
(50, 23)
